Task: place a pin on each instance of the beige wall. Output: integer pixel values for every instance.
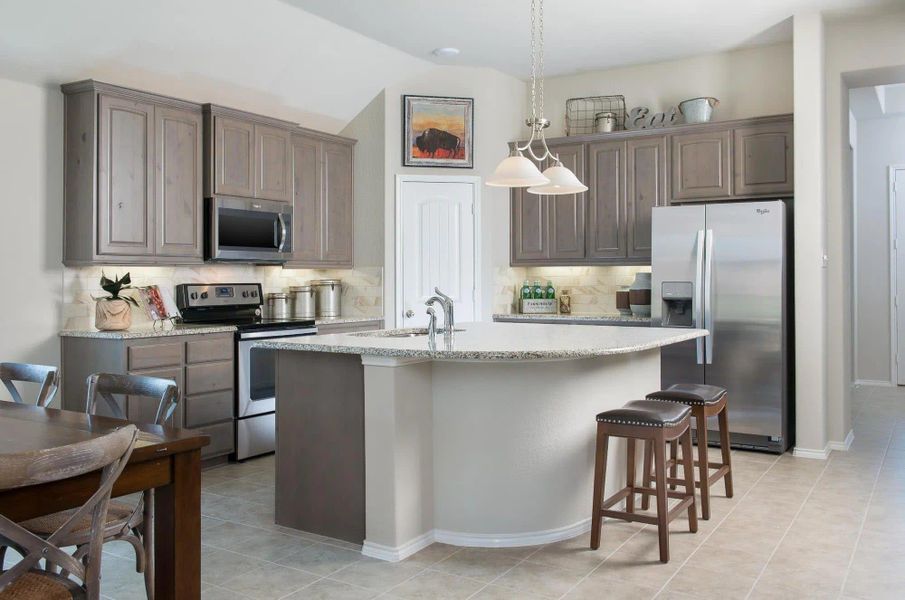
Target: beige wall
(879, 144)
(499, 113)
(749, 82)
(31, 215)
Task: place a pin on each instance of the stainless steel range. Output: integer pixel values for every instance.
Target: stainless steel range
(240, 304)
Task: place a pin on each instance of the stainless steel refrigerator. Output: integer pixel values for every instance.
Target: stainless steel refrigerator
(724, 267)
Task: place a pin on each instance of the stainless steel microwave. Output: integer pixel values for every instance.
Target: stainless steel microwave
(243, 230)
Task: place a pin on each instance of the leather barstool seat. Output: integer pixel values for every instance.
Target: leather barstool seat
(692, 394)
(646, 413)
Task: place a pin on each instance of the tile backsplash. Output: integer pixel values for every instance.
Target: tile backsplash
(593, 289)
(362, 288)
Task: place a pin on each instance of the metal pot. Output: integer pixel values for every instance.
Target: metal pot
(303, 303)
(278, 305)
(605, 122)
(329, 295)
(698, 110)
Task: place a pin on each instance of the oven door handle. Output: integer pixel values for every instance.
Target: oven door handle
(282, 232)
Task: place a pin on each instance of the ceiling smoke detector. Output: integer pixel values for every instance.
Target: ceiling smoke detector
(445, 52)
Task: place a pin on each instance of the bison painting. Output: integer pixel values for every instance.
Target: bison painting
(433, 140)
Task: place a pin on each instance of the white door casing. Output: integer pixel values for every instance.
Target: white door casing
(437, 245)
(897, 270)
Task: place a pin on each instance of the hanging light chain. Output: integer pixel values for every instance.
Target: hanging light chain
(533, 59)
(537, 121)
(540, 57)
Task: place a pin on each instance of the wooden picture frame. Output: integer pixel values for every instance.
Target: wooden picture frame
(438, 131)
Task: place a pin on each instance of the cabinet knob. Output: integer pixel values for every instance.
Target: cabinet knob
(409, 313)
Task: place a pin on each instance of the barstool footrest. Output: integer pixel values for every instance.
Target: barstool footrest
(626, 516)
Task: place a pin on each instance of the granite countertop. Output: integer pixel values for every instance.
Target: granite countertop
(574, 318)
(496, 341)
(345, 320)
(147, 330)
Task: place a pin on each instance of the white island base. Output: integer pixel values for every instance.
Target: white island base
(489, 454)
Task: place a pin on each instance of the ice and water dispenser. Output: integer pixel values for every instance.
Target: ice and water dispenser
(678, 303)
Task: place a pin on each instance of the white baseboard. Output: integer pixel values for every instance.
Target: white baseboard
(845, 444)
(874, 383)
(397, 553)
(512, 540)
(816, 454)
(474, 540)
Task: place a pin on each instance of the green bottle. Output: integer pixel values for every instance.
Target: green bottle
(550, 291)
(526, 290)
(537, 292)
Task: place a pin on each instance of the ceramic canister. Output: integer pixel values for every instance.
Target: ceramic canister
(639, 295)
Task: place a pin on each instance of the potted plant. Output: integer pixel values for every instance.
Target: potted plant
(114, 312)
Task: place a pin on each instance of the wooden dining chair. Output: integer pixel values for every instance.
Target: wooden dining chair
(133, 524)
(48, 377)
(26, 580)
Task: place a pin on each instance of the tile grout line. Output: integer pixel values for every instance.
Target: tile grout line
(789, 528)
(870, 500)
(718, 525)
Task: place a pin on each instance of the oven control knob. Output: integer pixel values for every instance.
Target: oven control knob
(245, 294)
(254, 294)
(193, 295)
(204, 295)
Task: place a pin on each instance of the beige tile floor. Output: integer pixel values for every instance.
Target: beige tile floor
(796, 528)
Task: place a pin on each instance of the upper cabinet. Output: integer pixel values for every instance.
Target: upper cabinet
(629, 173)
(132, 177)
(322, 197)
(250, 156)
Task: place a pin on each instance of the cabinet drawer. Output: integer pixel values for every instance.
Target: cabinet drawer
(209, 349)
(208, 377)
(223, 439)
(151, 356)
(208, 408)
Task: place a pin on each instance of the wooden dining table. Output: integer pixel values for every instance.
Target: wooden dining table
(166, 459)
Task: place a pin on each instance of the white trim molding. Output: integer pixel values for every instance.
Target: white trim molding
(893, 276)
(397, 553)
(873, 383)
(816, 454)
(845, 444)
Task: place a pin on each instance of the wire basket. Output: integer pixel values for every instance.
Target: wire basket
(581, 113)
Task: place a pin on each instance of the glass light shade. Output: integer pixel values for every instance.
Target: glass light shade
(516, 171)
(562, 181)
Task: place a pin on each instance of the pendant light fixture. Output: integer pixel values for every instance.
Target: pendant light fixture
(517, 170)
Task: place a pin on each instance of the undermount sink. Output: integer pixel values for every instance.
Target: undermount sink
(400, 333)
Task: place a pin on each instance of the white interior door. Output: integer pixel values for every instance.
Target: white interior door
(897, 192)
(436, 248)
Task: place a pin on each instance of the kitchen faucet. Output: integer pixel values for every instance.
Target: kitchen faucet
(449, 318)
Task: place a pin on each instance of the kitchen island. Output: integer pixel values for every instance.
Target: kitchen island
(484, 439)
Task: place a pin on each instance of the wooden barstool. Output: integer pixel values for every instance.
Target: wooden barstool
(704, 401)
(655, 423)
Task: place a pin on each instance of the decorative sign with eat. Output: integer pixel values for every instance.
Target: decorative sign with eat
(640, 117)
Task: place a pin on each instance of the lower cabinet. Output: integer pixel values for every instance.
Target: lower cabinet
(201, 365)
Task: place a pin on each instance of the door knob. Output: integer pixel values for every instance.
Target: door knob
(409, 313)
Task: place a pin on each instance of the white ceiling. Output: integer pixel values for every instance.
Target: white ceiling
(580, 35)
(878, 101)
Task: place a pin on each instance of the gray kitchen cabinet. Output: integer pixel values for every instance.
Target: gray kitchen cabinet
(201, 365)
(645, 162)
(178, 184)
(323, 201)
(530, 239)
(567, 212)
(132, 177)
(763, 161)
(247, 155)
(606, 200)
(273, 163)
(701, 165)
(125, 174)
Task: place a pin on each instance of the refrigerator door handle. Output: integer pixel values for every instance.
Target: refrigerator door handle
(708, 295)
(698, 299)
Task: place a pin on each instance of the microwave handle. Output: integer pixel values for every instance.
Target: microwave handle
(282, 232)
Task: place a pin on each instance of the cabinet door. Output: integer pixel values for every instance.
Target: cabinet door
(567, 212)
(178, 189)
(337, 204)
(306, 199)
(125, 189)
(606, 200)
(273, 160)
(700, 165)
(530, 218)
(645, 161)
(763, 162)
(234, 165)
